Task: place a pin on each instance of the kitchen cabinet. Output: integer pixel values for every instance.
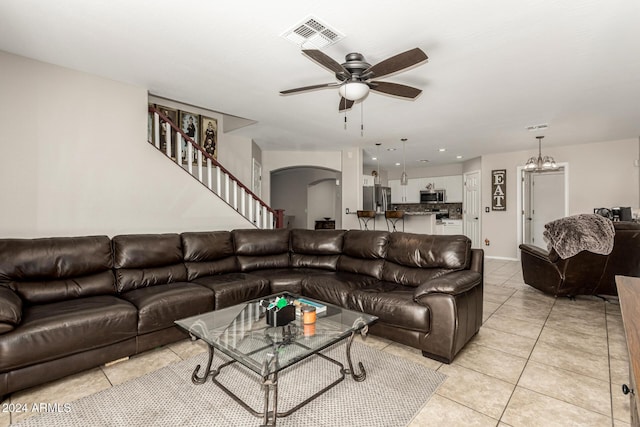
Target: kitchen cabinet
(453, 186)
(368, 181)
(397, 192)
(439, 182)
(449, 227)
(414, 186)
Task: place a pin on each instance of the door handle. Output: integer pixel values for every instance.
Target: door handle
(475, 218)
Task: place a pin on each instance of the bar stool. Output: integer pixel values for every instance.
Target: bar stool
(392, 218)
(364, 217)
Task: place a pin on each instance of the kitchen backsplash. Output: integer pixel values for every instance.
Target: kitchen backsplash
(455, 209)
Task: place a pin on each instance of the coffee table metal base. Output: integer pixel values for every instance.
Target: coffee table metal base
(270, 382)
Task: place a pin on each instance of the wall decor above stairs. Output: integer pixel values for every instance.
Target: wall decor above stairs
(181, 149)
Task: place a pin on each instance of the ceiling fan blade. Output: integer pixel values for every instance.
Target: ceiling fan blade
(345, 104)
(326, 61)
(397, 63)
(395, 89)
(306, 88)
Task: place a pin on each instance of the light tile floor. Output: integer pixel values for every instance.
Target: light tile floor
(537, 361)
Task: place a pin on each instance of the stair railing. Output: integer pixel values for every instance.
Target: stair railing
(212, 174)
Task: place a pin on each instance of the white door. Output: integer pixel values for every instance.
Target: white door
(547, 203)
(471, 208)
(257, 178)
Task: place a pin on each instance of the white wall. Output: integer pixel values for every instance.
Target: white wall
(75, 160)
(428, 171)
(290, 192)
(321, 202)
(275, 160)
(600, 175)
(471, 165)
(351, 186)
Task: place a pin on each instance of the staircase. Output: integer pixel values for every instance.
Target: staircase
(184, 152)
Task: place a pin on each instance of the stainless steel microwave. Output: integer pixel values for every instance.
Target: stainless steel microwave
(434, 196)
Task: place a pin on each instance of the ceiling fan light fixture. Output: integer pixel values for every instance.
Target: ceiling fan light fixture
(354, 91)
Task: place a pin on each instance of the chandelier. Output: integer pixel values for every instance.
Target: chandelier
(540, 163)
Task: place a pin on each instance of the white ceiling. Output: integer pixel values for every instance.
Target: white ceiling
(495, 66)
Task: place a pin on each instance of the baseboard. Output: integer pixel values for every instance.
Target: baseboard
(503, 258)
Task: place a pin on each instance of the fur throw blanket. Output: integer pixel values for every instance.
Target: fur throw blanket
(584, 232)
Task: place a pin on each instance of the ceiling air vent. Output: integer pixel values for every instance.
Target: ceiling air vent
(312, 33)
(534, 128)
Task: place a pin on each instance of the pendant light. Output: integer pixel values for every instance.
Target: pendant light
(404, 179)
(540, 163)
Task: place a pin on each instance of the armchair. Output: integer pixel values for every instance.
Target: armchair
(585, 273)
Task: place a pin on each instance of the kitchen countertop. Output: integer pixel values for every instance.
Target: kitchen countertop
(405, 213)
(419, 213)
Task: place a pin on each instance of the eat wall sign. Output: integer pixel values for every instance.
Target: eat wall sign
(499, 190)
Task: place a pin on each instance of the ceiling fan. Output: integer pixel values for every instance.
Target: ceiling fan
(355, 75)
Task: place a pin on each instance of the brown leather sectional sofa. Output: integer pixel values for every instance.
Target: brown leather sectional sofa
(72, 303)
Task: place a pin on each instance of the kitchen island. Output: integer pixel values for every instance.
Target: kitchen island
(414, 222)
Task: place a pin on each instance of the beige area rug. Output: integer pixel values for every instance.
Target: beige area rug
(394, 391)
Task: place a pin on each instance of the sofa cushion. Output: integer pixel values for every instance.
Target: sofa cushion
(54, 269)
(143, 260)
(335, 287)
(51, 331)
(410, 276)
(234, 288)
(393, 304)
(161, 305)
(259, 249)
(365, 244)
(429, 251)
(10, 309)
(208, 253)
(287, 279)
(363, 252)
(316, 248)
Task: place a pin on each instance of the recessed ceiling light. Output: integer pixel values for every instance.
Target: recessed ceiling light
(397, 164)
(391, 149)
(424, 161)
(458, 157)
(374, 158)
(442, 150)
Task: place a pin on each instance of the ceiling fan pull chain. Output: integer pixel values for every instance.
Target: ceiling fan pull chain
(345, 114)
(361, 119)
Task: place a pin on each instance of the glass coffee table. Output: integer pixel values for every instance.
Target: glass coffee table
(243, 333)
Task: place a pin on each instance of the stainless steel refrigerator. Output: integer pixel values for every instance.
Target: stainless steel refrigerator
(376, 198)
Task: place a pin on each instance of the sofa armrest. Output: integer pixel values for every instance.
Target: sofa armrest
(539, 253)
(10, 309)
(453, 283)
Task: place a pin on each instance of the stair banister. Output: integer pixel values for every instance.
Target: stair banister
(258, 213)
